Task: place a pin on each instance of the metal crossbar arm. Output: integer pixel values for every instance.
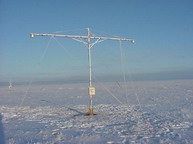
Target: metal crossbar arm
(87, 40)
(32, 35)
(118, 39)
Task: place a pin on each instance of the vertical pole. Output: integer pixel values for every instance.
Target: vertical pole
(90, 109)
(89, 60)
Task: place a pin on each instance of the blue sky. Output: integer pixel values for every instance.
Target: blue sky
(163, 30)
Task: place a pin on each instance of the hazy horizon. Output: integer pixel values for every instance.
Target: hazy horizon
(106, 78)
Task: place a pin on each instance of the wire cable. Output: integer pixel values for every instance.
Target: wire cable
(108, 91)
(123, 71)
(38, 67)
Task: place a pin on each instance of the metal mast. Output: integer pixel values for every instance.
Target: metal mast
(91, 89)
(87, 40)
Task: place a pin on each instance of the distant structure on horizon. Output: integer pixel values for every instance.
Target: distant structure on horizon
(10, 84)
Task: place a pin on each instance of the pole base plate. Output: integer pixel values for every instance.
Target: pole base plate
(90, 111)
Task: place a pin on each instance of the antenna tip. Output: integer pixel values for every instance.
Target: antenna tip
(132, 41)
(32, 35)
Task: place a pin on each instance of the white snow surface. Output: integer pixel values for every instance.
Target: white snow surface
(150, 112)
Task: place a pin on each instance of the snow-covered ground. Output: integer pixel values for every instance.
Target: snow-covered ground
(140, 112)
